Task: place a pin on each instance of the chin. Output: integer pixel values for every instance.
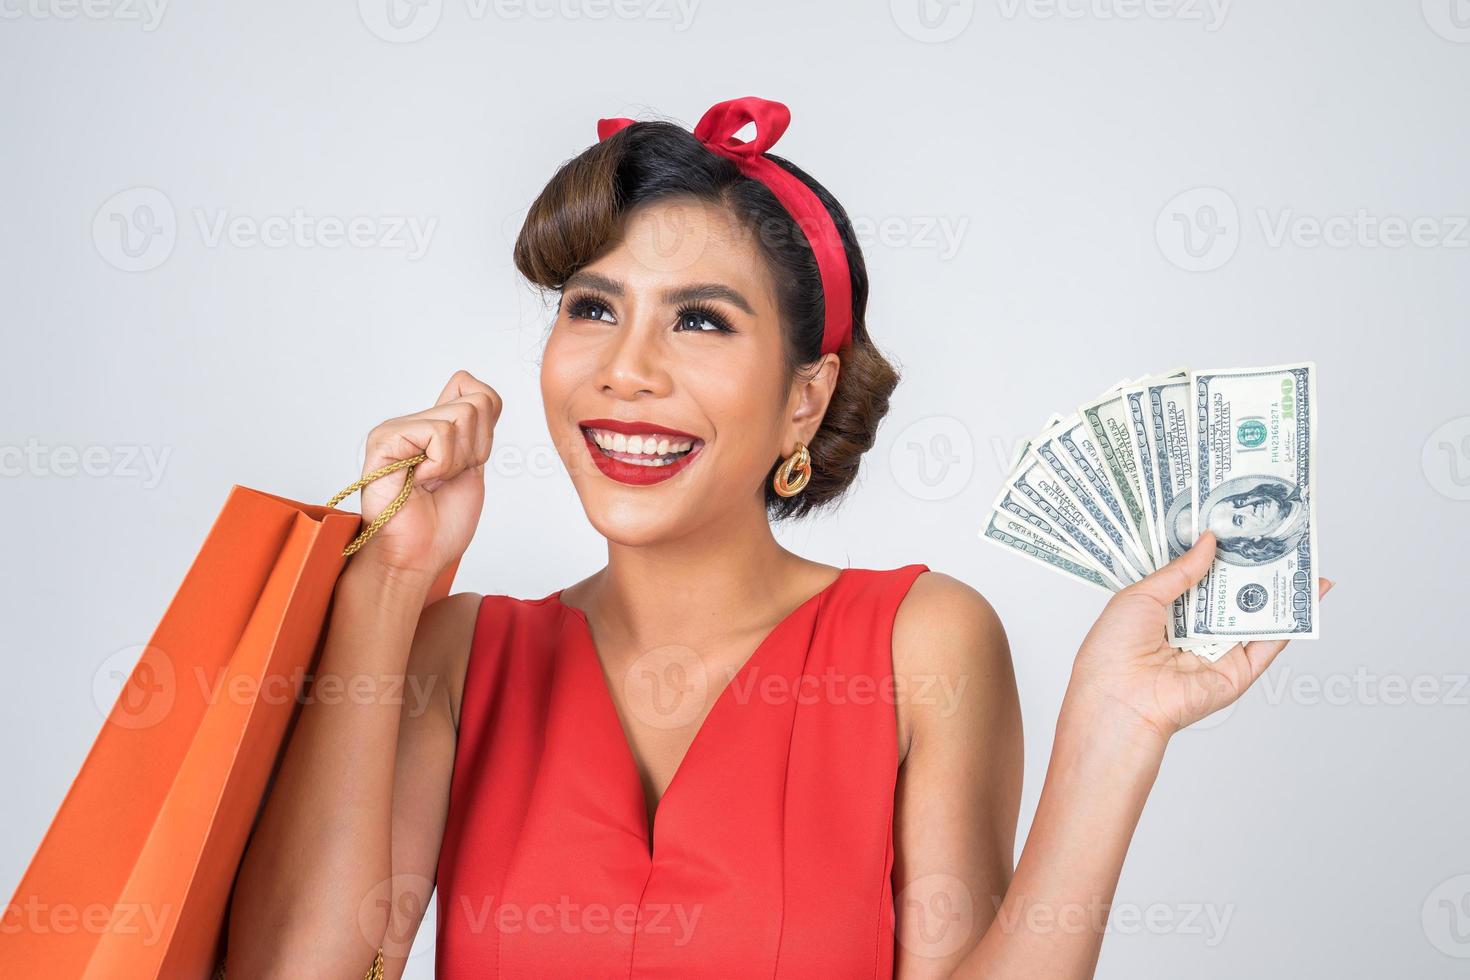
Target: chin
(632, 522)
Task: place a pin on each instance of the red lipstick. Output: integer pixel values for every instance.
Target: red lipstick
(633, 474)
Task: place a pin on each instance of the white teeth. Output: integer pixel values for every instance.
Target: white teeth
(639, 445)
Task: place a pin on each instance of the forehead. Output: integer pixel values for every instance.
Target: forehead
(680, 239)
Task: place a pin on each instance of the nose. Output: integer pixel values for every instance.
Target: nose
(634, 361)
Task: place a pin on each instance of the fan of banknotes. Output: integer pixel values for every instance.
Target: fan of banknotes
(1125, 484)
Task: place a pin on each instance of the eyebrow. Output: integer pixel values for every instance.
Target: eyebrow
(691, 293)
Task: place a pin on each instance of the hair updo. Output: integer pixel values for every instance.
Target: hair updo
(579, 216)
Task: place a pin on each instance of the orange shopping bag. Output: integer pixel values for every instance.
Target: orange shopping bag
(133, 878)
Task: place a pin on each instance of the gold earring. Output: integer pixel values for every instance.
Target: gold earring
(800, 460)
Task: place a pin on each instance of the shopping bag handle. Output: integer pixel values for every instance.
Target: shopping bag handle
(388, 511)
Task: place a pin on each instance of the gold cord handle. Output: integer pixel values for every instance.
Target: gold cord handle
(388, 511)
(374, 972)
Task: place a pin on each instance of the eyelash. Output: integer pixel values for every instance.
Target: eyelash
(578, 305)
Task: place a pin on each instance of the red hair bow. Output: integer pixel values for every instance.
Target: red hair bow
(716, 130)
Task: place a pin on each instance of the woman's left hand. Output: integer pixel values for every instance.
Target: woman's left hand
(1126, 669)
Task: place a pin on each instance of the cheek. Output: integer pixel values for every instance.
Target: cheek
(559, 376)
(745, 410)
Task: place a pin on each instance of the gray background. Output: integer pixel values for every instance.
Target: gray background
(1026, 173)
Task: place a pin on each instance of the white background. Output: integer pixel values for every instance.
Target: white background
(1027, 172)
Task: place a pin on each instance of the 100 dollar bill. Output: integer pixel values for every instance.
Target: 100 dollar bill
(1252, 449)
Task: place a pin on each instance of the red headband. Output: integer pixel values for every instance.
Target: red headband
(716, 130)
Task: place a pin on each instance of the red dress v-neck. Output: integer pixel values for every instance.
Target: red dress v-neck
(772, 847)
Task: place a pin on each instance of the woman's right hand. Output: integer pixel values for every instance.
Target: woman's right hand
(436, 523)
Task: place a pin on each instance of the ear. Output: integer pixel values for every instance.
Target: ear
(811, 393)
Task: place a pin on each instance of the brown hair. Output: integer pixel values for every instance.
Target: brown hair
(579, 216)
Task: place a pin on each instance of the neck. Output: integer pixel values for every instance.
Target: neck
(727, 572)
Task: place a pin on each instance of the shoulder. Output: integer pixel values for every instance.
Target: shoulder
(943, 622)
(951, 656)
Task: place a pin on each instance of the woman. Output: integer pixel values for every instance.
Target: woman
(712, 757)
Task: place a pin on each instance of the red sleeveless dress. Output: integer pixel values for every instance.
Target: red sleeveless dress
(772, 848)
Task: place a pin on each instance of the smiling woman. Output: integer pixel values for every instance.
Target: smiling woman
(712, 757)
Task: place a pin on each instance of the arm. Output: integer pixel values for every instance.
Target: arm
(427, 735)
(340, 845)
(349, 835)
(1129, 692)
(959, 787)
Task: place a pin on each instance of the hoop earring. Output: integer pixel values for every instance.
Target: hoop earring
(800, 460)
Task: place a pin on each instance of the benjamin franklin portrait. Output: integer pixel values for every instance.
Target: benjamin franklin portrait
(1256, 519)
